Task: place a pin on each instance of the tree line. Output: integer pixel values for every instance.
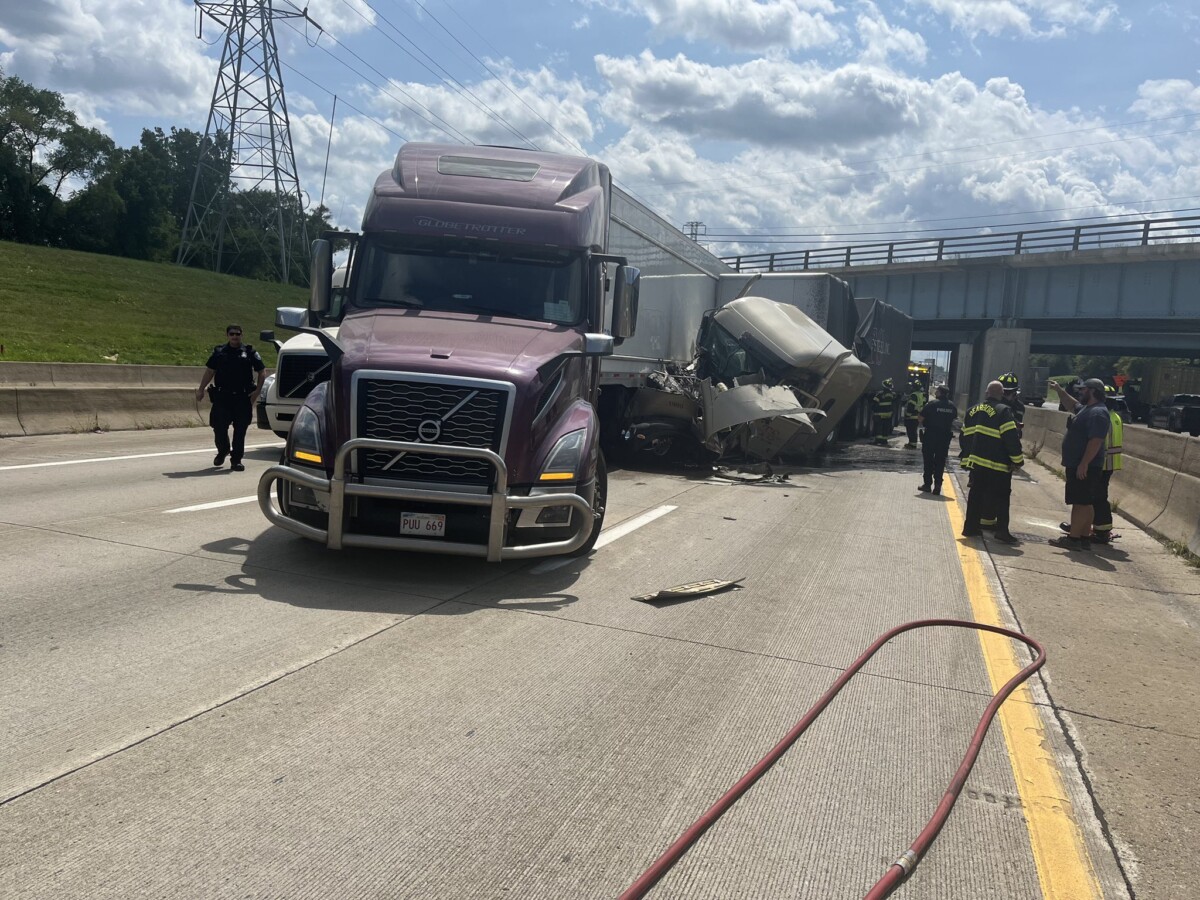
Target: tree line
(66, 185)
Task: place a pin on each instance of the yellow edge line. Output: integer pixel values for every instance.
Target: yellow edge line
(1064, 865)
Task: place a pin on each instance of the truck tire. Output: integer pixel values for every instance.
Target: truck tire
(599, 506)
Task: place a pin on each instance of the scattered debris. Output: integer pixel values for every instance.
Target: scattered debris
(690, 591)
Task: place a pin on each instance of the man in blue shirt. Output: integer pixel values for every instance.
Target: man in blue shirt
(1083, 459)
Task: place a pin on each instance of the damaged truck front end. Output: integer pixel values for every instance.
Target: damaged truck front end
(766, 381)
(460, 414)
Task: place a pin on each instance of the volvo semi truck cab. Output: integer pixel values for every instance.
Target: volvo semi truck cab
(460, 412)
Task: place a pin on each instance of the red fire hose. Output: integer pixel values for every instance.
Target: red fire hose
(904, 866)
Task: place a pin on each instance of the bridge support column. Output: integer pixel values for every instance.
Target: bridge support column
(1001, 350)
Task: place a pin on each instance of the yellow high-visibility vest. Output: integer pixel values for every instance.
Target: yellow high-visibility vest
(1112, 443)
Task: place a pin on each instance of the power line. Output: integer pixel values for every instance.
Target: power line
(444, 76)
(345, 102)
(488, 69)
(446, 128)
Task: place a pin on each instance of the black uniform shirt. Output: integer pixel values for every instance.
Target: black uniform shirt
(235, 369)
(938, 417)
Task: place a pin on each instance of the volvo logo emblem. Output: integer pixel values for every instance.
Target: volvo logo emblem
(429, 430)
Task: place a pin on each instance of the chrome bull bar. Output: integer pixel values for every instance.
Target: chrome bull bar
(338, 488)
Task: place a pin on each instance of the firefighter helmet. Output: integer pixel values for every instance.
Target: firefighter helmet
(887, 383)
(1009, 381)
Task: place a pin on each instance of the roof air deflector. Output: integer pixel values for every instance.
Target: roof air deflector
(503, 169)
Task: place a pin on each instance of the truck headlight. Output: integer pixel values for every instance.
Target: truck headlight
(563, 461)
(268, 383)
(306, 437)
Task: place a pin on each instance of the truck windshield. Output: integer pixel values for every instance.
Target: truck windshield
(500, 280)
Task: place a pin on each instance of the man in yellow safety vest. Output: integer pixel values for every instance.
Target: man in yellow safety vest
(1102, 525)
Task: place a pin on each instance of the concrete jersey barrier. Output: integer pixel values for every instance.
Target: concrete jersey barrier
(1158, 487)
(61, 398)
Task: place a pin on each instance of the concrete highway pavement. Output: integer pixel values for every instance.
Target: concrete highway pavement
(200, 705)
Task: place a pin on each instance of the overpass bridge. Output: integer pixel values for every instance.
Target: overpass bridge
(1127, 288)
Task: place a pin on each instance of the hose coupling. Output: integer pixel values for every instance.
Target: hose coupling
(907, 862)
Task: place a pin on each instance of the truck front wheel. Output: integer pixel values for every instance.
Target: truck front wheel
(599, 504)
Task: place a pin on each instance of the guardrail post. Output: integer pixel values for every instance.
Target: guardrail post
(1146, 233)
(1078, 235)
(848, 257)
(941, 248)
(891, 247)
(806, 252)
(771, 263)
(1017, 248)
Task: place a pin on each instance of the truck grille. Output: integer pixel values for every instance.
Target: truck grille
(436, 414)
(299, 373)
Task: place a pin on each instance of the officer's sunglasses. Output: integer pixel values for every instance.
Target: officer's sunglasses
(234, 333)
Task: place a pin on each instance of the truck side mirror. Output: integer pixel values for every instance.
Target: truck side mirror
(293, 318)
(598, 344)
(626, 285)
(321, 278)
(268, 337)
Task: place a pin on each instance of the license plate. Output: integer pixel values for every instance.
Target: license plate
(423, 524)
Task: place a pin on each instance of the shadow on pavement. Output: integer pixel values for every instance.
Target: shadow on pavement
(285, 568)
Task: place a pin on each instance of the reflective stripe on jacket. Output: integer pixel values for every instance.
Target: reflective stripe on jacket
(883, 402)
(916, 402)
(1112, 443)
(989, 438)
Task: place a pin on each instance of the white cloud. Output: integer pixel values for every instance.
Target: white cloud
(102, 62)
(740, 24)
(542, 107)
(765, 102)
(1025, 18)
(857, 144)
(881, 40)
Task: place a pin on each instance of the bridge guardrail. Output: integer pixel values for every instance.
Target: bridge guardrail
(1141, 233)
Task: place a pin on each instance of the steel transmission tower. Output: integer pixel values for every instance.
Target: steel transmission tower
(246, 195)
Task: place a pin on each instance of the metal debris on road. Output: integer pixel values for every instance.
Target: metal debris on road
(690, 591)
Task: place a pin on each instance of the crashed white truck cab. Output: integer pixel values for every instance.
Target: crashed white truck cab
(302, 365)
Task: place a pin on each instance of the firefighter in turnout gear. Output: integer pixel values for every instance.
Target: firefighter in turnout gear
(991, 449)
(1012, 389)
(236, 372)
(1011, 385)
(883, 406)
(912, 412)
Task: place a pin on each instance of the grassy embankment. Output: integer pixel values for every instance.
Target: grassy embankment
(63, 306)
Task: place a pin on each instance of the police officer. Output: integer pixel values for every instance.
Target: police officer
(991, 449)
(882, 406)
(937, 422)
(232, 368)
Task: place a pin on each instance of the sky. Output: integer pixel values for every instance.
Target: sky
(778, 124)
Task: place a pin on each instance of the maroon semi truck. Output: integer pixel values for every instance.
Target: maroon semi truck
(460, 415)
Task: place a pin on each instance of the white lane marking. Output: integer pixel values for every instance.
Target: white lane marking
(607, 536)
(79, 462)
(214, 505)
